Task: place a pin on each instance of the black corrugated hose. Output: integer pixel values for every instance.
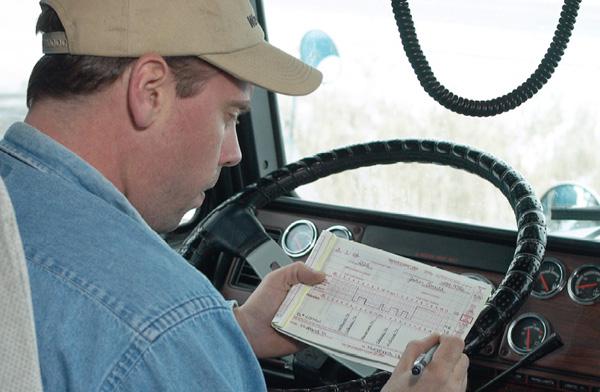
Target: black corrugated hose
(494, 106)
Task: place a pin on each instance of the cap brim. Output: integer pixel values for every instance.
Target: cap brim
(266, 66)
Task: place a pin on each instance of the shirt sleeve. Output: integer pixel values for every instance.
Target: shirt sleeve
(206, 352)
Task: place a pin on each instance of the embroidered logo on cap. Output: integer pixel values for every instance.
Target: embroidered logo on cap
(252, 20)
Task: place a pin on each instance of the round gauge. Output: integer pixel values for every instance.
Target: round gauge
(340, 231)
(551, 279)
(584, 284)
(526, 332)
(299, 238)
(480, 278)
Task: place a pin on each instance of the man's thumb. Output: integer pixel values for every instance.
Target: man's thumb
(306, 275)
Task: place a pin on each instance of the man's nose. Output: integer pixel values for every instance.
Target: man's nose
(231, 154)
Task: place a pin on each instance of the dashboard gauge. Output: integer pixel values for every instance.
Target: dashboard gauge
(526, 332)
(551, 279)
(480, 278)
(584, 284)
(299, 238)
(340, 231)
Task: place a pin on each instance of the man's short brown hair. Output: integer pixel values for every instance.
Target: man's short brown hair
(65, 75)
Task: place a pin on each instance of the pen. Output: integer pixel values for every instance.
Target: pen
(423, 360)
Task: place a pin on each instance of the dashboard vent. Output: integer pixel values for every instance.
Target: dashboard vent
(244, 276)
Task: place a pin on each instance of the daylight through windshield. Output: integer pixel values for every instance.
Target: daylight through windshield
(478, 50)
(486, 50)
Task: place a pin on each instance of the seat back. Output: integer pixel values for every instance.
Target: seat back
(19, 365)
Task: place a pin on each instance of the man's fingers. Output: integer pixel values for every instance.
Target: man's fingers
(459, 373)
(450, 350)
(414, 349)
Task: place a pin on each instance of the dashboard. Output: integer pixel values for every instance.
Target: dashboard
(566, 297)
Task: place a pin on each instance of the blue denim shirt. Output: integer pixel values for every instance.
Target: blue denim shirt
(116, 309)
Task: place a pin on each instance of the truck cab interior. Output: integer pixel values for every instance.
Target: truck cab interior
(389, 153)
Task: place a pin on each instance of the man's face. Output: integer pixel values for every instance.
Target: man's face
(199, 139)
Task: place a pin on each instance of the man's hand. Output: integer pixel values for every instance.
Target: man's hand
(256, 314)
(447, 371)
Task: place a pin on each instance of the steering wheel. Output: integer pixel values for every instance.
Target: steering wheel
(233, 227)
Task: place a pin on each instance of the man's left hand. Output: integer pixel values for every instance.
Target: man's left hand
(256, 314)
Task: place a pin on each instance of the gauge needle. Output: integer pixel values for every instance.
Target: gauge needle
(587, 286)
(528, 341)
(544, 282)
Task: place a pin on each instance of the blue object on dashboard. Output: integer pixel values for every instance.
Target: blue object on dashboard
(315, 46)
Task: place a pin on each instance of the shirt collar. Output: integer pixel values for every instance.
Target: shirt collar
(38, 150)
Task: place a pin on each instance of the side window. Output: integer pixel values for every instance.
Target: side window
(478, 50)
(21, 48)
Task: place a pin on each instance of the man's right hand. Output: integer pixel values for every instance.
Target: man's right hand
(446, 372)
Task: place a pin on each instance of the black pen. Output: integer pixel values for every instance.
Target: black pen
(423, 360)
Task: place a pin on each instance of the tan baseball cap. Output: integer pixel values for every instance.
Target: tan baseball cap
(224, 33)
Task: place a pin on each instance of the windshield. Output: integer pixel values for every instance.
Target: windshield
(478, 50)
(21, 49)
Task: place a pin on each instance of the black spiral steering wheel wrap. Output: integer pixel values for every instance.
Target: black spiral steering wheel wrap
(233, 226)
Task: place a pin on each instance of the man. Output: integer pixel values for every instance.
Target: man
(132, 114)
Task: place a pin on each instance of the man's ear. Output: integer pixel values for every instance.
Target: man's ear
(149, 90)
